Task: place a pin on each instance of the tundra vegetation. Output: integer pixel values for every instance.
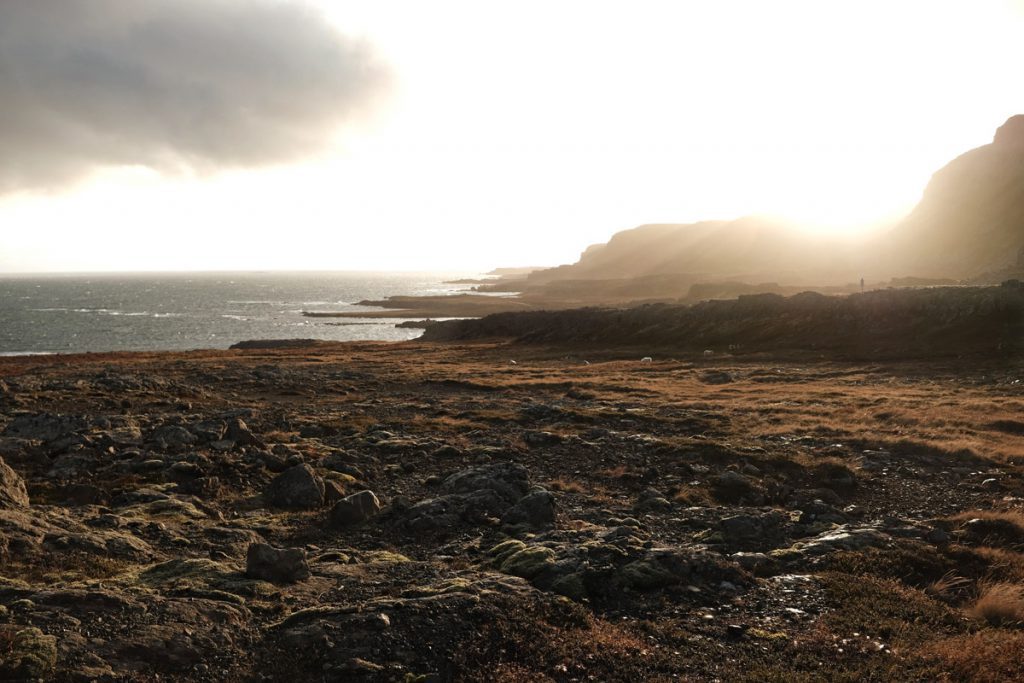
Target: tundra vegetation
(431, 512)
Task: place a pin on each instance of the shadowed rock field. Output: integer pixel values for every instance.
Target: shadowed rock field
(433, 512)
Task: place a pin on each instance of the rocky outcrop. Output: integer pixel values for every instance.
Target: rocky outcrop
(12, 488)
(488, 494)
(941, 321)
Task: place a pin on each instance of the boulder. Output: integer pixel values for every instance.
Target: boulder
(279, 565)
(240, 433)
(333, 492)
(754, 532)
(297, 488)
(509, 480)
(173, 437)
(354, 509)
(651, 500)
(535, 510)
(447, 512)
(12, 488)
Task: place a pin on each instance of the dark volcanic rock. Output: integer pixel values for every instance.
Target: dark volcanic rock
(276, 344)
(535, 510)
(509, 480)
(43, 426)
(754, 532)
(446, 512)
(489, 494)
(280, 565)
(298, 488)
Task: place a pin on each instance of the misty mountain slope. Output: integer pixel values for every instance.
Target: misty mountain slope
(970, 221)
(749, 248)
(971, 217)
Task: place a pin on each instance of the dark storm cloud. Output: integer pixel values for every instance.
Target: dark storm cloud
(170, 84)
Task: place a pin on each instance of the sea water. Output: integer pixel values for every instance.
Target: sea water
(180, 311)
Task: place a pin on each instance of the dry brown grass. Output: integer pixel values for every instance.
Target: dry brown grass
(999, 604)
(616, 472)
(1015, 517)
(566, 485)
(63, 568)
(1001, 564)
(692, 495)
(278, 436)
(990, 656)
(948, 588)
(1001, 529)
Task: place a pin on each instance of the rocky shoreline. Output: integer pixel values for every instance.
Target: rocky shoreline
(434, 512)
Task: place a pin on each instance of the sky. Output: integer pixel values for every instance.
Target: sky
(459, 135)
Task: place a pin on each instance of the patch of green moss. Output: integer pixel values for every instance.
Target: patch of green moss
(182, 573)
(505, 550)
(198, 575)
(647, 575)
(174, 508)
(767, 635)
(529, 562)
(382, 556)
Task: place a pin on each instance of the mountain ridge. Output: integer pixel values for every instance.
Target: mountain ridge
(968, 223)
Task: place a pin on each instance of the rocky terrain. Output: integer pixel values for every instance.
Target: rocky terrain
(487, 511)
(890, 323)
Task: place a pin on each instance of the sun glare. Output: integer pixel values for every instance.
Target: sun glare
(561, 123)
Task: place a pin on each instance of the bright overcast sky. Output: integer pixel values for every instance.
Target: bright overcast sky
(376, 135)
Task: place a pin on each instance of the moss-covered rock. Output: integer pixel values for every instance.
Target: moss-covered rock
(26, 654)
(571, 586)
(529, 562)
(647, 574)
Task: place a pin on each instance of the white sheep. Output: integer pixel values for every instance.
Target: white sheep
(708, 352)
(646, 359)
(512, 362)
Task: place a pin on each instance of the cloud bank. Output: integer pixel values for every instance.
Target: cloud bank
(176, 85)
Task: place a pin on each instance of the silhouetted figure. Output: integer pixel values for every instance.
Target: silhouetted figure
(862, 284)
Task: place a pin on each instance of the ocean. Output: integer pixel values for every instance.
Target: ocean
(181, 311)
